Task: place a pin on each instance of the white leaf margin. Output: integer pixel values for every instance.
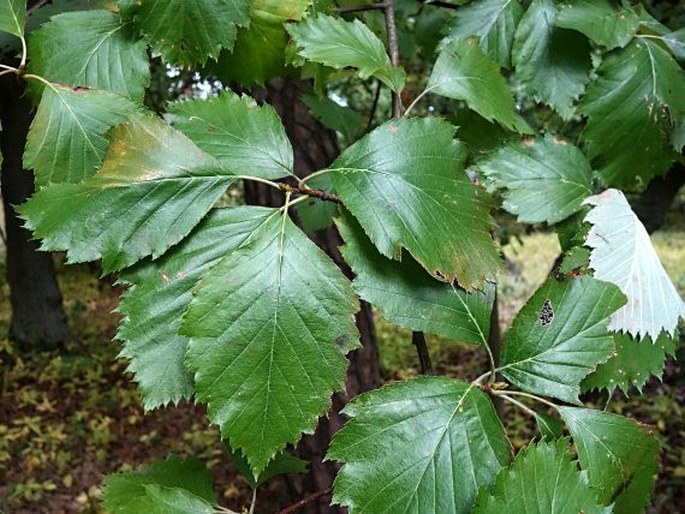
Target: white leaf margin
(622, 253)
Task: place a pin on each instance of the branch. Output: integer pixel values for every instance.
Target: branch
(394, 49)
(374, 106)
(309, 499)
(418, 339)
(314, 193)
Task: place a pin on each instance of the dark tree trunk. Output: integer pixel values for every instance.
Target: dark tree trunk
(315, 148)
(655, 201)
(38, 318)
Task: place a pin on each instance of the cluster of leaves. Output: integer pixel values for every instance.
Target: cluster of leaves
(238, 307)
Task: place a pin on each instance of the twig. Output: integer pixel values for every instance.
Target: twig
(305, 501)
(418, 339)
(36, 6)
(254, 501)
(418, 98)
(374, 106)
(526, 395)
(24, 53)
(478, 381)
(394, 50)
(491, 360)
(259, 179)
(314, 193)
(520, 405)
(222, 510)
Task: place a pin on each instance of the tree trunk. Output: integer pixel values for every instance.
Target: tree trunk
(315, 148)
(655, 201)
(38, 317)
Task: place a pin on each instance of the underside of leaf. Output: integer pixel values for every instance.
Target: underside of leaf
(622, 254)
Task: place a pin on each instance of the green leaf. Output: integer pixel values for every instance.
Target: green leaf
(573, 230)
(259, 51)
(622, 254)
(334, 116)
(464, 72)
(560, 336)
(172, 482)
(632, 363)
(480, 135)
(66, 142)
(405, 184)
(171, 500)
(153, 187)
(341, 44)
(678, 136)
(648, 24)
(427, 442)
(281, 464)
(575, 258)
(159, 295)
(315, 214)
(247, 139)
(13, 16)
(636, 496)
(630, 108)
(543, 479)
(493, 22)
(604, 21)
(544, 179)
(269, 325)
(9, 43)
(618, 454)
(187, 33)
(676, 42)
(409, 297)
(128, 8)
(550, 427)
(553, 64)
(429, 31)
(93, 49)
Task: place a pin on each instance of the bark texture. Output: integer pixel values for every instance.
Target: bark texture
(315, 148)
(38, 316)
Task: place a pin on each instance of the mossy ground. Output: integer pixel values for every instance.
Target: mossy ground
(65, 421)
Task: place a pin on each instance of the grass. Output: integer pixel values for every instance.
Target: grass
(67, 420)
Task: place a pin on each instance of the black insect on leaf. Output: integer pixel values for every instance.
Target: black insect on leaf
(546, 313)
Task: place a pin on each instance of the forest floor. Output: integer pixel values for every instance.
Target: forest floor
(67, 420)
